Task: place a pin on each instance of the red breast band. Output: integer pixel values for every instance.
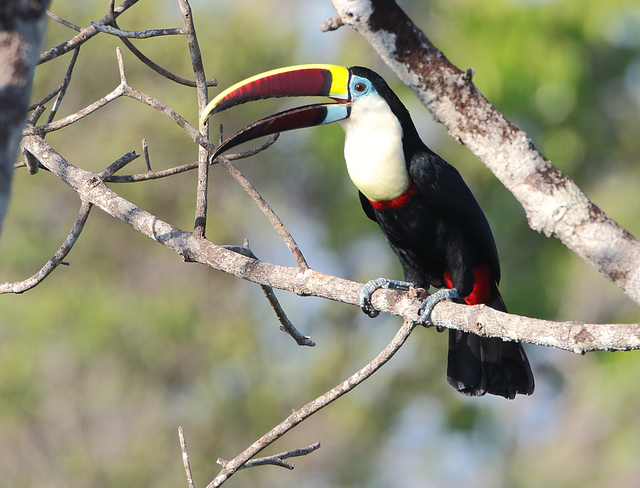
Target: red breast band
(398, 202)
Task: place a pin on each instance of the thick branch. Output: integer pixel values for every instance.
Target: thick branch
(553, 203)
(572, 336)
(22, 28)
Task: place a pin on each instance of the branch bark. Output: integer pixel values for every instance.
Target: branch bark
(553, 203)
(22, 28)
(572, 336)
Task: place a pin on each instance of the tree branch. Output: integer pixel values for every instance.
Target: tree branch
(144, 34)
(203, 98)
(572, 336)
(22, 28)
(298, 416)
(84, 35)
(276, 459)
(61, 253)
(553, 203)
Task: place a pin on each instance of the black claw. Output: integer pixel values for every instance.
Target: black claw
(427, 306)
(370, 288)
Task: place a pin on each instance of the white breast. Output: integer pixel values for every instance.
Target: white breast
(373, 150)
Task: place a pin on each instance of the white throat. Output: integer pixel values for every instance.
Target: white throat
(373, 150)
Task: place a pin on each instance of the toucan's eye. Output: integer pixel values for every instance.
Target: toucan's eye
(360, 87)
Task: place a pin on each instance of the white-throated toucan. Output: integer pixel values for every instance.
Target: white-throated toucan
(430, 217)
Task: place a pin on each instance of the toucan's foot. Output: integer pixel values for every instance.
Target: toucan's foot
(427, 306)
(373, 285)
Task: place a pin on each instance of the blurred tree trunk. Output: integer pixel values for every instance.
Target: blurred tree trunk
(22, 28)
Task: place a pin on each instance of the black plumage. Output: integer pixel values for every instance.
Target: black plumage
(440, 228)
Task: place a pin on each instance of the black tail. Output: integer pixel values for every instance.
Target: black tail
(479, 365)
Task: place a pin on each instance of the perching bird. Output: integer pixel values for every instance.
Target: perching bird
(421, 203)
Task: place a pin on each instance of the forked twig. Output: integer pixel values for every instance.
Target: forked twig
(154, 175)
(84, 35)
(276, 459)
(312, 407)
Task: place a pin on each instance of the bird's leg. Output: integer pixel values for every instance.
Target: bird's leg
(373, 285)
(427, 306)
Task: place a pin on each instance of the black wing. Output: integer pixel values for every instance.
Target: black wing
(367, 207)
(445, 190)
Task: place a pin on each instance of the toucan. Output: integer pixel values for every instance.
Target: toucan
(428, 214)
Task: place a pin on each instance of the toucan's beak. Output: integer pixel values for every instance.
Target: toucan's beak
(305, 80)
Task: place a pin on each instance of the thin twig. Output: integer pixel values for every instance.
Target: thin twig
(66, 23)
(285, 324)
(40, 103)
(276, 459)
(30, 160)
(312, 407)
(159, 69)
(84, 35)
(331, 24)
(181, 169)
(64, 85)
(56, 259)
(118, 165)
(144, 34)
(145, 150)
(154, 175)
(185, 458)
(126, 90)
(251, 152)
(189, 30)
(267, 210)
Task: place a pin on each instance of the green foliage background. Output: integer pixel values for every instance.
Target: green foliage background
(103, 361)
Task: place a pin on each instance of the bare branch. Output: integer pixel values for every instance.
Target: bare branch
(251, 152)
(40, 103)
(84, 35)
(66, 23)
(267, 210)
(159, 69)
(203, 97)
(118, 165)
(572, 336)
(145, 151)
(144, 34)
(70, 119)
(276, 459)
(314, 406)
(185, 458)
(285, 323)
(152, 175)
(63, 87)
(553, 203)
(185, 167)
(61, 253)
